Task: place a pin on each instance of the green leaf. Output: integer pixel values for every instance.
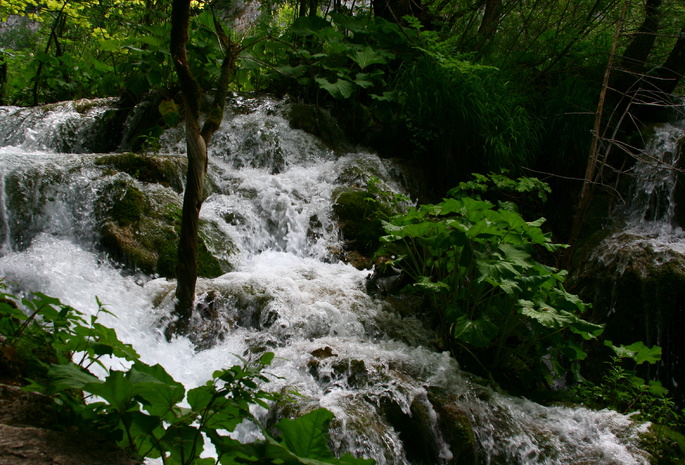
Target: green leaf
(307, 436)
(70, 376)
(115, 390)
(638, 352)
(426, 284)
(341, 89)
(309, 25)
(159, 391)
(368, 57)
(478, 333)
(547, 316)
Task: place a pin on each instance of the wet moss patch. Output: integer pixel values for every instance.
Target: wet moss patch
(166, 171)
(140, 227)
(359, 216)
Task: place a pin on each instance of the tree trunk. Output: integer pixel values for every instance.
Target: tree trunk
(634, 59)
(594, 155)
(197, 141)
(670, 74)
(488, 25)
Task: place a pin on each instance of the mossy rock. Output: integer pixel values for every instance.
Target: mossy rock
(128, 208)
(417, 429)
(637, 289)
(318, 122)
(166, 171)
(359, 216)
(121, 244)
(140, 230)
(456, 427)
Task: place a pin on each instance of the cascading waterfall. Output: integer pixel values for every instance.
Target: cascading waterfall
(652, 208)
(270, 211)
(634, 275)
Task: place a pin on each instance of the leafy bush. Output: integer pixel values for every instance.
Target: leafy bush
(621, 388)
(143, 408)
(494, 301)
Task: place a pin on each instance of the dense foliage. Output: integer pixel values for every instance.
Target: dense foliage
(146, 411)
(498, 306)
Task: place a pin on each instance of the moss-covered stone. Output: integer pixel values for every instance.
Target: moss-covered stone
(637, 287)
(140, 229)
(128, 208)
(456, 427)
(433, 422)
(166, 171)
(359, 216)
(318, 122)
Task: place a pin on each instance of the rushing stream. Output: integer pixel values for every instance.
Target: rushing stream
(272, 225)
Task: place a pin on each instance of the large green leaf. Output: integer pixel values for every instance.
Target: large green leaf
(156, 387)
(638, 352)
(307, 436)
(70, 376)
(479, 332)
(547, 316)
(340, 89)
(116, 390)
(367, 57)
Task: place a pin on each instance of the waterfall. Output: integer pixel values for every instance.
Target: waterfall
(634, 275)
(652, 207)
(269, 218)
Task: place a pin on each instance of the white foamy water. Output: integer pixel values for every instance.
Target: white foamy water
(337, 346)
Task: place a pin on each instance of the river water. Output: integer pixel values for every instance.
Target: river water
(271, 211)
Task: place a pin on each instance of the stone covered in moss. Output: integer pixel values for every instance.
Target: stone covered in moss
(318, 122)
(664, 445)
(140, 228)
(359, 216)
(166, 171)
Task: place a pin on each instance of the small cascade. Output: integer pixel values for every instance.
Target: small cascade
(636, 276)
(269, 212)
(652, 207)
(65, 127)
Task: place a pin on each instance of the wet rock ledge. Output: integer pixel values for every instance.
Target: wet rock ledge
(27, 436)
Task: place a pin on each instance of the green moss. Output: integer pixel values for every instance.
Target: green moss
(161, 170)
(128, 208)
(359, 214)
(207, 265)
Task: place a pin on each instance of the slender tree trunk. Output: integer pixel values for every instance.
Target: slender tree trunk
(53, 36)
(594, 155)
(186, 270)
(3, 79)
(197, 140)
